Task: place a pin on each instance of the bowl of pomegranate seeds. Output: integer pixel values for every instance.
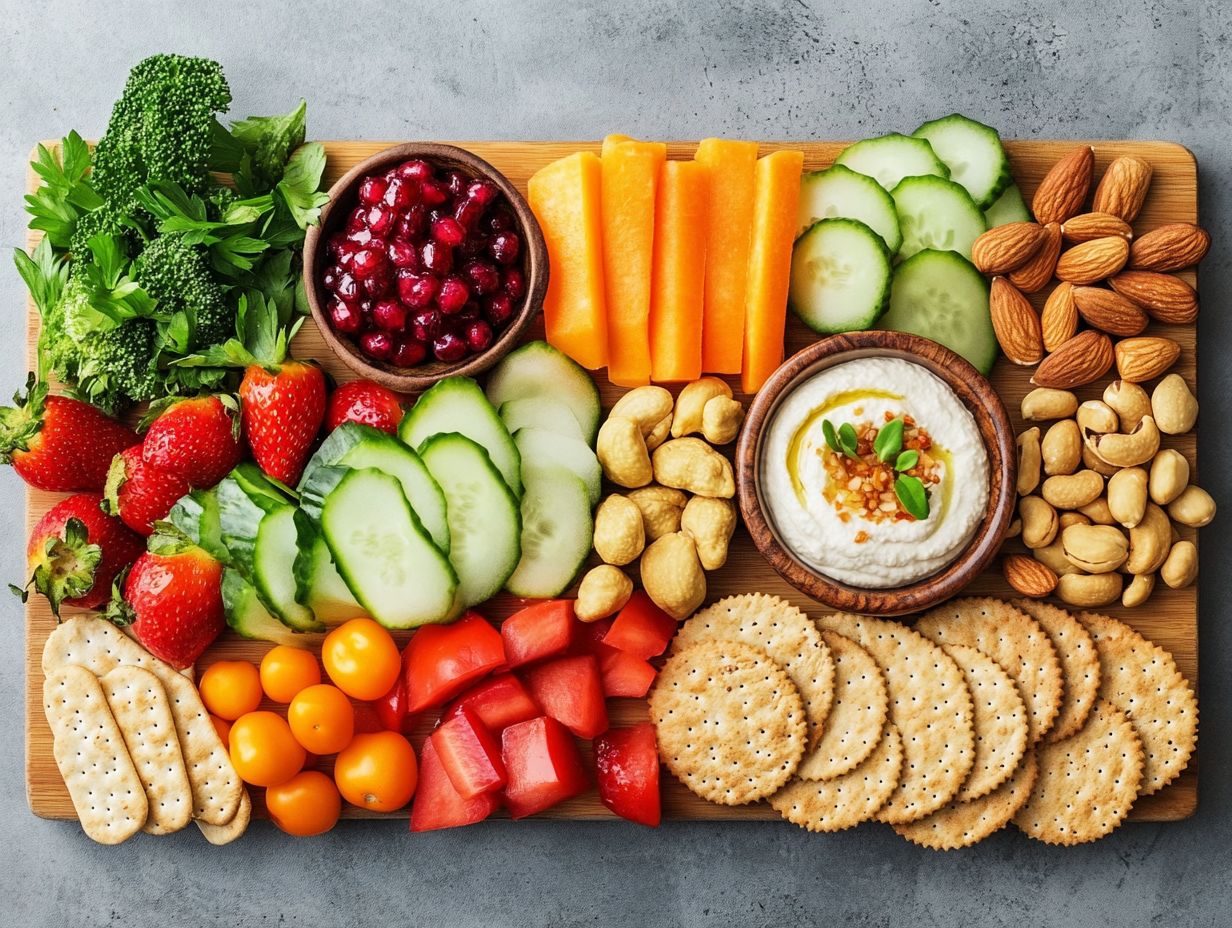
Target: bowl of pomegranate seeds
(427, 263)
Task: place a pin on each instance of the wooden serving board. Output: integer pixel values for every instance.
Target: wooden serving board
(1170, 618)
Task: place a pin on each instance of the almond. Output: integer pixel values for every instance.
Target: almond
(1064, 189)
(1001, 250)
(1109, 311)
(1035, 274)
(1090, 226)
(1123, 188)
(1059, 320)
(1083, 359)
(1015, 322)
(1028, 576)
(1164, 297)
(1170, 248)
(1141, 359)
(1094, 260)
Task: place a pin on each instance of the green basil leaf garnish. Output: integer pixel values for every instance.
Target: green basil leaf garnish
(827, 429)
(889, 440)
(907, 460)
(847, 438)
(910, 492)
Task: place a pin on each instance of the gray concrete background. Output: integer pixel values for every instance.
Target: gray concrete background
(538, 69)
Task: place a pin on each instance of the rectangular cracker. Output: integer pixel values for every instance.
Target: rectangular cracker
(90, 752)
(219, 835)
(100, 647)
(143, 711)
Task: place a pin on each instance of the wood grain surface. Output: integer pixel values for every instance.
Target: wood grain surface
(1170, 618)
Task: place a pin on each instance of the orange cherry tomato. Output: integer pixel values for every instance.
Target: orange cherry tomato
(286, 670)
(361, 659)
(263, 750)
(307, 804)
(322, 719)
(223, 727)
(377, 771)
(230, 688)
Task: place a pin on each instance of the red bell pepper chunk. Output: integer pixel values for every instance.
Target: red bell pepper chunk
(470, 755)
(539, 631)
(499, 702)
(391, 708)
(368, 718)
(442, 660)
(437, 803)
(641, 629)
(627, 763)
(570, 690)
(625, 675)
(543, 766)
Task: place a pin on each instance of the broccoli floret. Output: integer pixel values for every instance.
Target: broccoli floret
(178, 276)
(161, 127)
(105, 219)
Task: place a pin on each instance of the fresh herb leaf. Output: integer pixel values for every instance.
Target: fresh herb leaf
(847, 438)
(256, 149)
(910, 492)
(301, 182)
(827, 429)
(113, 293)
(65, 192)
(907, 460)
(889, 440)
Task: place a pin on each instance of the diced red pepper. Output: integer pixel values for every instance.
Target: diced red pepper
(438, 805)
(391, 708)
(368, 718)
(470, 755)
(627, 763)
(537, 632)
(443, 660)
(499, 702)
(641, 629)
(570, 690)
(625, 675)
(543, 766)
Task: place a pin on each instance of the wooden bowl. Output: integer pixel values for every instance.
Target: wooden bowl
(972, 390)
(343, 197)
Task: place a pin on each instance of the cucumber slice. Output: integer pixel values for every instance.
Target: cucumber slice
(317, 486)
(318, 585)
(840, 193)
(541, 414)
(936, 213)
(196, 515)
(273, 568)
(890, 158)
(840, 276)
(248, 617)
(973, 153)
(484, 521)
(538, 371)
(1010, 207)
(457, 404)
(557, 529)
(356, 445)
(244, 497)
(383, 553)
(540, 448)
(940, 295)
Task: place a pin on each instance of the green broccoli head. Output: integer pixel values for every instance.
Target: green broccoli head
(178, 276)
(161, 127)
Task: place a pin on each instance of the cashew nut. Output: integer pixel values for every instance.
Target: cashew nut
(1097, 416)
(722, 417)
(620, 535)
(1066, 519)
(1194, 507)
(1029, 459)
(1174, 406)
(1126, 450)
(1127, 496)
(1169, 476)
(1092, 461)
(1129, 401)
(661, 508)
(710, 523)
(1089, 590)
(672, 575)
(1149, 542)
(1015, 528)
(604, 591)
(691, 465)
(1098, 512)
(1072, 491)
(1138, 591)
(621, 449)
(1062, 448)
(1097, 549)
(1039, 522)
(1053, 557)
(691, 404)
(1045, 403)
(1181, 567)
(651, 409)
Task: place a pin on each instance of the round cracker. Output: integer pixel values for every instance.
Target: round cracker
(1011, 638)
(1079, 665)
(930, 706)
(847, 800)
(857, 717)
(1000, 721)
(783, 632)
(962, 824)
(1087, 783)
(729, 721)
(1141, 678)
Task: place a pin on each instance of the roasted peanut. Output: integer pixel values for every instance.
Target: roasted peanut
(1173, 405)
(691, 465)
(1098, 512)
(1127, 496)
(1129, 401)
(621, 449)
(604, 591)
(1149, 542)
(1181, 567)
(1053, 556)
(1097, 549)
(1039, 522)
(1066, 519)
(1029, 459)
(1089, 590)
(1194, 507)
(1072, 491)
(691, 404)
(620, 534)
(1138, 591)
(1061, 448)
(1169, 476)
(1045, 403)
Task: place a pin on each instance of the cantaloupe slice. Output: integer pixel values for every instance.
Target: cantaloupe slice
(614, 139)
(630, 177)
(679, 272)
(565, 197)
(776, 192)
(729, 166)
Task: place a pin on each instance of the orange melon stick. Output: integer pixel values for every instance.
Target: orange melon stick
(776, 192)
(679, 272)
(729, 167)
(613, 139)
(630, 176)
(565, 197)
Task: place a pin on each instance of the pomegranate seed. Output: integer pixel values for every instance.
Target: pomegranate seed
(411, 223)
(484, 277)
(449, 346)
(357, 220)
(360, 237)
(365, 308)
(469, 311)
(334, 244)
(505, 247)
(515, 283)
(416, 290)
(372, 190)
(402, 253)
(432, 193)
(348, 288)
(346, 251)
(414, 170)
(389, 315)
(448, 231)
(329, 280)
(344, 317)
(469, 212)
(426, 325)
(376, 345)
(378, 283)
(402, 193)
(482, 191)
(474, 246)
(452, 295)
(367, 261)
(381, 219)
(501, 220)
(478, 336)
(455, 183)
(408, 353)
(498, 309)
(436, 258)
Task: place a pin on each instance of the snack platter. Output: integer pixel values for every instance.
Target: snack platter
(1170, 620)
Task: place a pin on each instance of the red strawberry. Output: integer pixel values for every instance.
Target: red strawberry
(76, 550)
(59, 443)
(282, 413)
(366, 402)
(198, 439)
(139, 493)
(173, 601)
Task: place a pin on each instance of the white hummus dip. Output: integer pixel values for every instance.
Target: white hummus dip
(813, 515)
